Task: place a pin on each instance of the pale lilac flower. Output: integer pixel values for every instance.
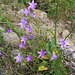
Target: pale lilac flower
(23, 39)
(30, 36)
(62, 43)
(32, 5)
(0, 53)
(28, 29)
(26, 12)
(53, 56)
(29, 58)
(23, 22)
(19, 58)
(33, 15)
(9, 31)
(41, 53)
(22, 45)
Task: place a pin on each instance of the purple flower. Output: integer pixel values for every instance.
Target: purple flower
(22, 45)
(0, 53)
(19, 58)
(28, 29)
(41, 53)
(29, 58)
(32, 5)
(30, 36)
(9, 31)
(53, 56)
(62, 43)
(23, 39)
(23, 22)
(26, 12)
(33, 15)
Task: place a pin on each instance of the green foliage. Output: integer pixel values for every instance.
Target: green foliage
(46, 65)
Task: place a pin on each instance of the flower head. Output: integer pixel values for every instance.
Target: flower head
(41, 53)
(19, 58)
(26, 11)
(33, 15)
(23, 22)
(9, 31)
(62, 43)
(28, 29)
(32, 5)
(22, 45)
(29, 58)
(0, 53)
(53, 56)
(30, 36)
(23, 39)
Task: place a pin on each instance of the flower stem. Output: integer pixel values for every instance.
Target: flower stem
(56, 20)
(69, 33)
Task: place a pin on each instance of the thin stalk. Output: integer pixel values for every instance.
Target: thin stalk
(69, 33)
(56, 20)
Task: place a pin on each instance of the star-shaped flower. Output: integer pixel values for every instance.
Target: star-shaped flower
(23, 39)
(0, 53)
(53, 56)
(23, 22)
(29, 58)
(33, 15)
(41, 53)
(28, 29)
(30, 36)
(62, 43)
(9, 31)
(22, 45)
(19, 58)
(26, 12)
(32, 5)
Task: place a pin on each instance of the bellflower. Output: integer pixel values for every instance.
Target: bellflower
(9, 31)
(19, 58)
(32, 5)
(29, 58)
(30, 36)
(23, 22)
(28, 29)
(0, 53)
(62, 43)
(23, 39)
(53, 56)
(22, 45)
(26, 12)
(41, 53)
(33, 15)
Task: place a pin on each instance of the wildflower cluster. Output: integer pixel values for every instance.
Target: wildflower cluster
(28, 29)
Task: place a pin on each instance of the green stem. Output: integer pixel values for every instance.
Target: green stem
(69, 33)
(56, 20)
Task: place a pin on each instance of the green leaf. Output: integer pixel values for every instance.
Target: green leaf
(1, 48)
(71, 17)
(53, 40)
(43, 63)
(67, 70)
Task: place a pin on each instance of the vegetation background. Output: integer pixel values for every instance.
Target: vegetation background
(66, 12)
